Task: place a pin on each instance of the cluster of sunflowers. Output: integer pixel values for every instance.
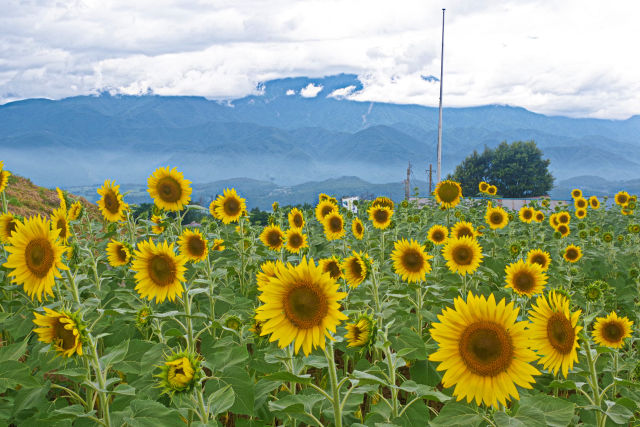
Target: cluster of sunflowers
(442, 288)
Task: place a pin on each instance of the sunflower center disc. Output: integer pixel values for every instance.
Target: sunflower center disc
(122, 254)
(169, 189)
(380, 215)
(486, 348)
(326, 210)
(65, 338)
(412, 261)
(560, 333)
(111, 202)
(612, 332)
(523, 282)
(496, 218)
(162, 270)
(305, 306)
(39, 257)
(62, 226)
(11, 227)
(274, 239)
(335, 224)
(333, 269)
(356, 333)
(539, 259)
(358, 228)
(563, 219)
(356, 268)
(231, 206)
(572, 254)
(295, 240)
(196, 246)
(462, 255)
(527, 214)
(448, 192)
(438, 236)
(297, 221)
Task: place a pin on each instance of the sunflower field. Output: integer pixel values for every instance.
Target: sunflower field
(454, 312)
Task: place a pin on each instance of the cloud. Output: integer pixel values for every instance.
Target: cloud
(342, 92)
(572, 58)
(290, 92)
(310, 91)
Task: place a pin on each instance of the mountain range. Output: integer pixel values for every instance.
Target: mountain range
(286, 135)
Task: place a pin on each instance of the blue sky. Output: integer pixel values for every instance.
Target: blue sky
(575, 58)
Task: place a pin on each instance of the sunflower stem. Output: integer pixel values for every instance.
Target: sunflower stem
(187, 311)
(419, 308)
(73, 286)
(333, 378)
(392, 381)
(4, 203)
(615, 372)
(204, 414)
(600, 417)
(101, 377)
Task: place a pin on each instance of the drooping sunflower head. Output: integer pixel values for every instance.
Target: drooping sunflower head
(111, 204)
(622, 198)
(463, 228)
(356, 268)
(118, 253)
(554, 332)
(75, 211)
(580, 203)
(228, 207)
(410, 260)
(576, 193)
(217, 245)
(362, 332)
(563, 229)
(324, 208)
(266, 273)
(4, 179)
(438, 234)
(62, 329)
(581, 213)
(272, 237)
(483, 187)
(334, 226)
(193, 246)
(180, 372)
(59, 221)
(538, 216)
(492, 190)
(496, 217)
(8, 224)
(538, 256)
(357, 228)
(526, 214)
(332, 266)
(296, 219)
(301, 305)
(35, 256)
(383, 201)
(159, 271)
(572, 253)
(611, 331)
(448, 193)
(483, 350)
(525, 278)
(380, 216)
(594, 203)
(463, 255)
(295, 240)
(168, 189)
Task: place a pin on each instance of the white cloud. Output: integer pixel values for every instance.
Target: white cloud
(310, 91)
(290, 92)
(572, 57)
(342, 92)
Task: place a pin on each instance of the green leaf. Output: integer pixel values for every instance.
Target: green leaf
(557, 412)
(566, 384)
(115, 354)
(221, 400)
(125, 390)
(288, 377)
(411, 345)
(619, 414)
(148, 413)
(13, 373)
(457, 414)
(13, 351)
(243, 387)
(424, 391)
(367, 378)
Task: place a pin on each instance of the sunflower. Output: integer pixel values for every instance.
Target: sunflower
(295, 240)
(322, 197)
(324, 208)
(484, 350)
(383, 201)
(410, 260)
(357, 228)
(581, 213)
(625, 211)
(111, 204)
(35, 256)
(611, 331)
(59, 221)
(622, 198)
(331, 266)
(438, 234)
(159, 271)
(564, 218)
(356, 268)
(301, 305)
(483, 187)
(554, 332)
(463, 228)
(361, 333)
(463, 255)
(218, 245)
(496, 217)
(525, 278)
(526, 214)
(266, 273)
(334, 226)
(228, 207)
(193, 246)
(158, 226)
(448, 193)
(594, 203)
(380, 216)
(180, 372)
(576, 193)
(538, 216)
(4, 179)
(8, 224)
(118, 253)
(563, 229)
(168, 189)
(61, 329)
(492, 190)
(296, 219)
(553, 220)
(538, 256)
(572, 253)
(75, 211)
(580, 203)
(272, 237)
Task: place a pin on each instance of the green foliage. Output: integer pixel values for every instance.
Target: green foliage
(517, 169)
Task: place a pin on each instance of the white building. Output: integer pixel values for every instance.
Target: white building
(348, 203)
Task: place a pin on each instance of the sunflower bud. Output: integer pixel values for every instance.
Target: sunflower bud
(179, 372)
(607, 237)
(143, 317)
(581, 226)
(233, 322)
(583, 234)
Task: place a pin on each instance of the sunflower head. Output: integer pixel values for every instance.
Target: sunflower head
(438, 234)
(332, 266)
(8, 224)
(324, 208)
(334, 226)
(581, 213)
(357, 228)
(180, 372)
(594, 203)
(228, 206)
(168, 189)
(463, 255)
(295, 240)
(362, 332)
(563, 229)
(383, 201)
(111, 205)
(483, 187)
(217, 245)
(380, 216)
(193, 246)
(492, 190)
(410, 260)
(595, 290)
(611, 331)
(159, 271)
(60, 221)
(75, 211)
(538, 216)
(159, 224)
(296, 219)
(634, 228)
(496, 217)
(272, 237)
(118, 253)
(572, 253)
(576, 193)
(564, 218)
(356, 268)
(626, 211)
(233, 322)
(607, 236)
(4, 179)
(514, 249)
(622, 198)
(463, 228)
(580, 203)
(540, 257)
(64, 330)
(266, 273)
(448, 193)
(525, 278)
(526, 214)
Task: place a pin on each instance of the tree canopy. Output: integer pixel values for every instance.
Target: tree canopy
(517, 169)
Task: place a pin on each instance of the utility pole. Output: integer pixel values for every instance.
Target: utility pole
(430, 170)
(440, 109)
(407, 182)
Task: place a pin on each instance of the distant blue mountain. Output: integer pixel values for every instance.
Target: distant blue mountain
(291, 131)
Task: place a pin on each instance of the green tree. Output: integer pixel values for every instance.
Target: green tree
(517, 169)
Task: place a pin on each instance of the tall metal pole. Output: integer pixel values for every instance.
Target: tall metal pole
(439, 173)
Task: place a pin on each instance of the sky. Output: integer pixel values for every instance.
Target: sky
(572, 58)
